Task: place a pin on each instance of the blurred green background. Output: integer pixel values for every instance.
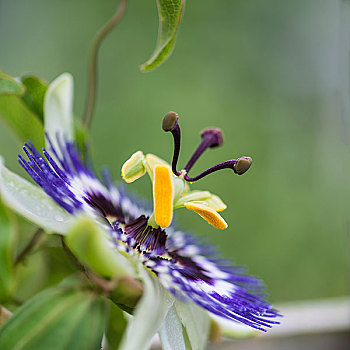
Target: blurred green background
(272, 74)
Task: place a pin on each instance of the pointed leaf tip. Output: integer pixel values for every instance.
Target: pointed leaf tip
(170, 13)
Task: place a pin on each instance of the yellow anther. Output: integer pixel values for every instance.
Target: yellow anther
(208, 214)
(133, 168)
(163, 194)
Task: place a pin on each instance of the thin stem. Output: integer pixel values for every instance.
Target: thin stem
(30, 245)
(72, 257)
(92, 64)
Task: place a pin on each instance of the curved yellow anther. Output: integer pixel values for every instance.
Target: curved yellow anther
(208, 214)
(163, 194)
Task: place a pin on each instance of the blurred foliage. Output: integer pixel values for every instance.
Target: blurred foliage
(271, 74)
(7, 239)
(63, 317)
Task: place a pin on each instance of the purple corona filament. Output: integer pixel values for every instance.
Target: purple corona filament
(211, 138)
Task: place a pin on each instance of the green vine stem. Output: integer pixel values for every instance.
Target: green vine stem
(92, 64)
(35, 239)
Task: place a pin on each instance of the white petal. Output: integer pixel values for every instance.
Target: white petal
(196, 322)
(58, 106)
(171, 333)
(149, 314)
(233, 329)
(32, 202)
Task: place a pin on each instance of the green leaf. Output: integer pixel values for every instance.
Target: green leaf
(92, 246)
(32, 202)
(10, 86)
(170, 13)
(56, 319)
(34, 94)
(24, 124)
(115, 327)
(7, 237)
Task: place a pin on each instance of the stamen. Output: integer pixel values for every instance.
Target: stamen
(211, 137)
(208, 214)
(239, 166)
(163, 195)
(133, 168)
(170, 124)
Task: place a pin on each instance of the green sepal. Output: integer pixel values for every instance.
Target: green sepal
(127, 294)
(16, 114)
(56, 319)
(35, 90)
(10, 86)
(22, 122)
(195, 321)
(92, 247)
(172, 333)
